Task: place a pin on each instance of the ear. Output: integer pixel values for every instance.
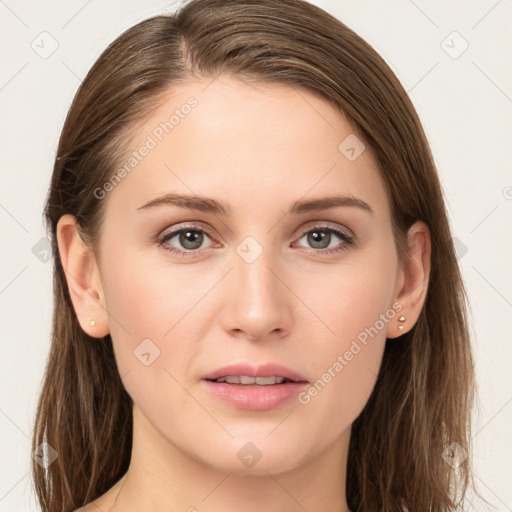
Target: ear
(83, 278)
(412, 281)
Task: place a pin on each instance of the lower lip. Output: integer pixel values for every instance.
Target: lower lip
(254, 397)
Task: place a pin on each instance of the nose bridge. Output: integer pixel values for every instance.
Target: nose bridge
(259, 302)
(258, 277)
(253, 261)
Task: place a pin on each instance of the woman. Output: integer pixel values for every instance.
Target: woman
(257, 299)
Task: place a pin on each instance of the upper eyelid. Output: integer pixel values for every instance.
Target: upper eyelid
(192, 226)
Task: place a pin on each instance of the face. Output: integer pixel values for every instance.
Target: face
(253, 278)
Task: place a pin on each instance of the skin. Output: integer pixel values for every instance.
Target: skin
(258, 149)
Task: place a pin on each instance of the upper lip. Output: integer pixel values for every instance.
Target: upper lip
(262, 370)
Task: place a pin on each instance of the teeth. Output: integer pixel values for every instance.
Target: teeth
(266, 381)
(244, 379)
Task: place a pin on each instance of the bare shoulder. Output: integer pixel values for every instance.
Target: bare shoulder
(105, 501)
(94, 506)
(91, 507)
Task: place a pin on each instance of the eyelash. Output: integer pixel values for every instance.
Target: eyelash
(345, 237)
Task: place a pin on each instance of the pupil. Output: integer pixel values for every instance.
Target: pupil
(317, 237)
(191, 239)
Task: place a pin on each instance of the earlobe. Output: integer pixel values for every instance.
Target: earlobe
(83, 279)
(412, 282)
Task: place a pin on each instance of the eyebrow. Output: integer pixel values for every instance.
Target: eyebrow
(210, 205)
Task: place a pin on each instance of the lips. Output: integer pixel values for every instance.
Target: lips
(256, 388)
(261, 373)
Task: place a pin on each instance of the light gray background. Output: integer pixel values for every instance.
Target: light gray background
(465, 104)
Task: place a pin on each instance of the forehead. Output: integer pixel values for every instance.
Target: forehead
(247, 142)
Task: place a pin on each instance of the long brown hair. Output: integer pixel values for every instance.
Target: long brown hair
(423, 397)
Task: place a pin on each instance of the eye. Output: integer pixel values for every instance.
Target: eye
(323, 239)
(184, 241)
(189, 239)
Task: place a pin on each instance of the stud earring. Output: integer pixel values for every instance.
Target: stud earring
(401, 319)
(92, 322)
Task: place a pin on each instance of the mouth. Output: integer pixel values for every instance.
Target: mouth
(246, 380)
(254, 388)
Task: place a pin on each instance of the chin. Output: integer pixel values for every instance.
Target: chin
(250, 456)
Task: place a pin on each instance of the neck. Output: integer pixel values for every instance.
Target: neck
(161, 477)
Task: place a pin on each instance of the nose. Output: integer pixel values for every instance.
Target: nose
(257, 304)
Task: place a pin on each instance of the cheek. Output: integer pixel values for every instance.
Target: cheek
(147, 306)
(151, 311)
(355, 308)
(160, 313)
(150, 297)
